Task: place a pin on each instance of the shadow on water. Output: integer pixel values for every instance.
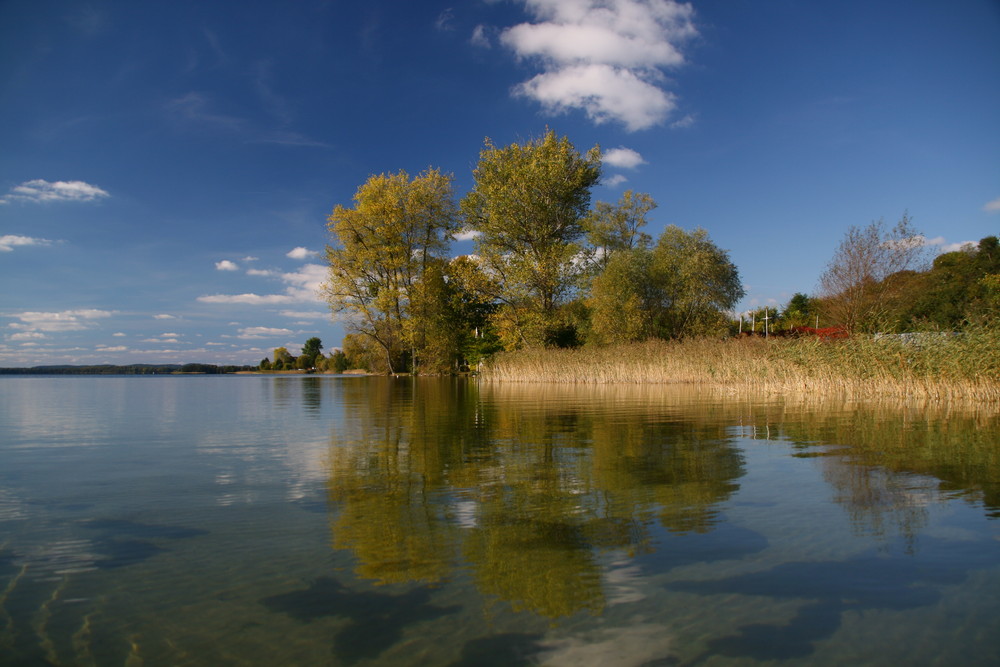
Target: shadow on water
(511, 649)
(376, 620)
(866, 582)
(726, 542)
(121, 542)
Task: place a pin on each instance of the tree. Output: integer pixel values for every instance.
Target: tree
(624, 299)
(698, 281)
(613, 228)
(868, 273)
(799, 312)
(681, 287)
(311, 351)
(382, 247)
(364, 353)
(282, 359)
(265, 364)
(528, 204)
(953, 291)
(338, 362)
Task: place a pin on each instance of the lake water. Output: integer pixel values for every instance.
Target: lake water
(199, 520)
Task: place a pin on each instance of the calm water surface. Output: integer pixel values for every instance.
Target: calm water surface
(360, 521)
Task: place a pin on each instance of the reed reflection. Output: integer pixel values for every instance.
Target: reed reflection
(523, 485)
(896, 459)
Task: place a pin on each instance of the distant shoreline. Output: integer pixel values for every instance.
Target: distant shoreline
(128, 369)
(161, 369)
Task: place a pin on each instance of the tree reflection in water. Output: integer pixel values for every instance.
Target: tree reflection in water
(525, 484)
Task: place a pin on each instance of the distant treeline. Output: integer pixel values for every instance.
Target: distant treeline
(132, 369)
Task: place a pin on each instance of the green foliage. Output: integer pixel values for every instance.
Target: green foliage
(528, 205)
(614, 228)
(311, 351)
(958, 289)
(546, 273)
(799, 312)
(283, 361)
(338, 362)
(681, 287)
(624, 299)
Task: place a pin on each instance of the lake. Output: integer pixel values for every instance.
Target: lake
(210, 520)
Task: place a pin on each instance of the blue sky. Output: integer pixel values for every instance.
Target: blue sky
(166, 168)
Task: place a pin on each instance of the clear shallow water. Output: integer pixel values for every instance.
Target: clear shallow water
(337, 520)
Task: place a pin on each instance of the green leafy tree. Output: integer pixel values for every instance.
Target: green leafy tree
(681, 287)
(699, 283)
(625, 300)
(437, 328)
(953, 292)
(613, 228)
(381, 248)
(265, 364)
(798, 312)
(338, 362)
(311, 351)
(528, 205)
(282, 359)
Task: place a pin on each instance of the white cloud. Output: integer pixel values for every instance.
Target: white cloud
(479, 37)
(250, 258)
(605, 93)
(943, 246)
(118, 334)
(993, 206)
(305, 282)
(603, 57)
(67, 320)
(40, 190)
(247, 298)
(445, 20)
(226, 265)
(164, 316)
(304, 315)
(107, 348)
(303, 287)
(686, 121)
(259, 272)
(27, 335)
(626, 158)
(8, 242)
(614, 181)
(466, 235)
(255, 333)
(300, 253)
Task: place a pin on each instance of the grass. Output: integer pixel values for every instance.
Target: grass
(965, 366)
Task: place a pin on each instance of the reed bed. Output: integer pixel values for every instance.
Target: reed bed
(930, 366)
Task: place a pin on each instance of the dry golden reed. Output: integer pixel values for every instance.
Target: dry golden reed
(933, 366)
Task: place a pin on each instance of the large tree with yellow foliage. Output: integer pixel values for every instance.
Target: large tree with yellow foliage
(528, 205)
(382, 248)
